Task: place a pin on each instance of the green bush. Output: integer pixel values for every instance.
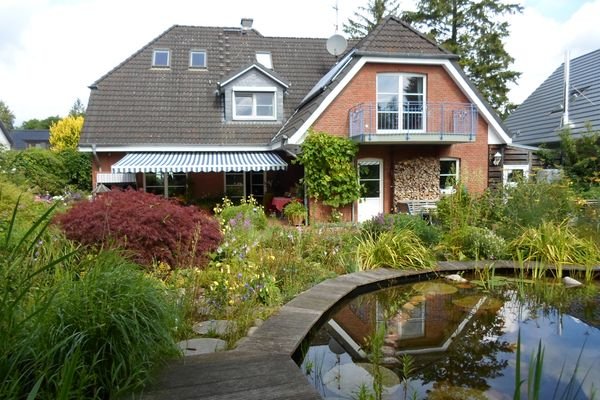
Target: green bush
(47, 171)
(401, 249)
(248, 214)
(474, 243)
(429, 234)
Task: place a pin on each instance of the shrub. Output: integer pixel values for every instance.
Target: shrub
(429, 234)
(401, 249)
(149, 226)
(248, 214)
(474, 243)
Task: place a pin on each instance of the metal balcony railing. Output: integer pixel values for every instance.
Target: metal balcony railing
(414, 121)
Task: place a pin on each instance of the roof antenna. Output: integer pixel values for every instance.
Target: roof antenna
(566, 76)
(337, 15)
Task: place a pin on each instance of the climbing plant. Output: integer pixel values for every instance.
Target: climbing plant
(329, 171)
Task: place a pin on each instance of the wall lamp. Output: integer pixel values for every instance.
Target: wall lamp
(497, 158)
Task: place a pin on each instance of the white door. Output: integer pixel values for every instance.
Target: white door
(370, 174)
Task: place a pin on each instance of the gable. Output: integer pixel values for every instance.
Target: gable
(4, 138)
(361, 76)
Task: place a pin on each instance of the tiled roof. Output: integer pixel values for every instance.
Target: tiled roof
(392, 36)
(21, 137)
(136, 104)
(538, 119)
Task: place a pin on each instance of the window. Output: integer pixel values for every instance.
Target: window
(161, 58)
(264, 58)
(239, 185)
(449, 169)
(167, 185)
(254, 105)
(513, 174)
(400, 102)
(197, 59)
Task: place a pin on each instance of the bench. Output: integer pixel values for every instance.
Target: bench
(420, 207)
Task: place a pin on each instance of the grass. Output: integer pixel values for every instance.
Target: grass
(400, 249)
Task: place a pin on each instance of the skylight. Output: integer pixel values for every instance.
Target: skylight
(198, 59)
(264, 58)
(161, 58)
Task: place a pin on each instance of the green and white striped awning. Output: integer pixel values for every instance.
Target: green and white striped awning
(199, 162)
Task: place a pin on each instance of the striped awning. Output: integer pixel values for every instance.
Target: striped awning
(199, 162)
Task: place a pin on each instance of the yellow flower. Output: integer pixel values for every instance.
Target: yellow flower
(231, 302)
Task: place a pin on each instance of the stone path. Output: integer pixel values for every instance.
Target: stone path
(261, 367)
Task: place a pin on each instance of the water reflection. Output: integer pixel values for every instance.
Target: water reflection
(462, 341)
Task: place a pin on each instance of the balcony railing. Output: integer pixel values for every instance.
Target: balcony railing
(414, 122)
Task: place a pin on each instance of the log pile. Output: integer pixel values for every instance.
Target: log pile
(417, 179)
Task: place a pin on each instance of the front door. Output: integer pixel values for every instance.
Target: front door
(370, 174)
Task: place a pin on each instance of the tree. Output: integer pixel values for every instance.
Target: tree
(366, 18)
(65, 133)
(78, 109)
(329, 171)
(6, 116)
(35, 123)
(474, 30)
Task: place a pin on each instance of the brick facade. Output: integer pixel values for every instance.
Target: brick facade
(439, 88)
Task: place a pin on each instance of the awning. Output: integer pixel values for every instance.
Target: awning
(199, 162)
(114, 178)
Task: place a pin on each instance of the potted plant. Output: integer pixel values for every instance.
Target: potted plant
(295, 212)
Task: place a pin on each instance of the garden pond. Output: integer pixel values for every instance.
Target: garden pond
(446, 340)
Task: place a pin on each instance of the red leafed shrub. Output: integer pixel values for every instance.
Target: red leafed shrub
(149, 226)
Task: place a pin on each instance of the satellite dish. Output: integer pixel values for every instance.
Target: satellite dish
(336, 45)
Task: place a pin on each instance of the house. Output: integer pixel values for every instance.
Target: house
(202, 112)
(4, 138)
(543, 115)
(30, 138)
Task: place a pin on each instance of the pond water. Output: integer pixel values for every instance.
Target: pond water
(442, 340)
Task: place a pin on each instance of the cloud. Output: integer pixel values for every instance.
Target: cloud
(539, 42)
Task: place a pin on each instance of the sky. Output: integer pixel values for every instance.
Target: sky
(52, 50)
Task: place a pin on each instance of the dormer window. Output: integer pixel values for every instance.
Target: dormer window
(254, 103)
(161, 58)
(198, 59)
(264, 58)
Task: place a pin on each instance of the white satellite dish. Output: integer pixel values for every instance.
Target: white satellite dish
(336, 45)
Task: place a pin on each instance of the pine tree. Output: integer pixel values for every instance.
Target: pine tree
(474, 30)
(366, 18)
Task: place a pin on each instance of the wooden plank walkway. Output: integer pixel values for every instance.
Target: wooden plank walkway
(261, 367)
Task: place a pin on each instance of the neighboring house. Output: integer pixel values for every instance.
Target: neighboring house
(5, 143)
(203, 112)
(30, 138)
(541, 117)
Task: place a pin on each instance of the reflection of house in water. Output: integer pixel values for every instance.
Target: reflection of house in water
(422, 324)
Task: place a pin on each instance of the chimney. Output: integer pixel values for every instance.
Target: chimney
(247, 24)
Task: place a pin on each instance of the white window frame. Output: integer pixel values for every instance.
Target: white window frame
(452, 189)
(506, 169)
(154, 54)
(254, 91)
(192, 66)
(400, 94)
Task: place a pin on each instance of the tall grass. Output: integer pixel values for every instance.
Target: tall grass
(556, 244)
(74, 325)
(398, 249)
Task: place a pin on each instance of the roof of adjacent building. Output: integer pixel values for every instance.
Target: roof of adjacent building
(21, 137)
(538, 119)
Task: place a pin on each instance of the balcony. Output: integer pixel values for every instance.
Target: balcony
(414, 122)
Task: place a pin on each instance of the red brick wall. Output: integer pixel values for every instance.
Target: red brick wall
(440, 87)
